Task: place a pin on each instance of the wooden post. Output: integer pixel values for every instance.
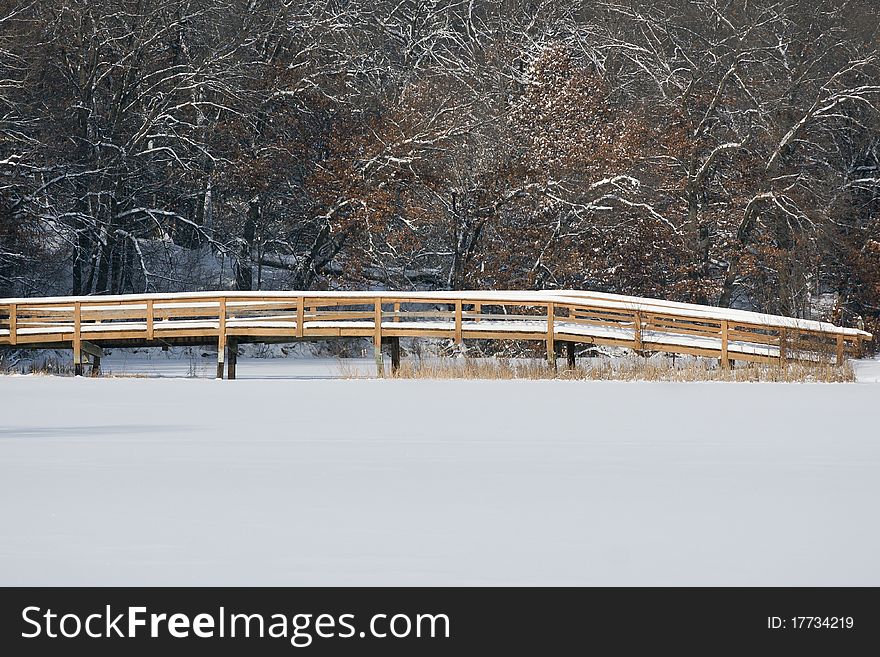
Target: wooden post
(221, 338)
(149, 319)
(725, 361)
(13, 324)
(458, 321)
(551, 336)
(396, 311)
(839, 349)
(478, 310)
(300, 317)
(783, 346)
(395, 354)
(377, 338)
(232, 345)
(570, 356)
(95, 352)
(77, 337)
(637, 332)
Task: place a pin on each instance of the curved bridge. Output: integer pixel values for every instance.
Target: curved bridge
(86, 324)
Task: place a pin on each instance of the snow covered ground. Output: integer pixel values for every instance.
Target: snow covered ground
(317, 481)
(867, 370)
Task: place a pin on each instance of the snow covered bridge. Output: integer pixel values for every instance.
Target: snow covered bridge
(86, 324)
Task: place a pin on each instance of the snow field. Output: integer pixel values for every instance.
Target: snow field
(159, 481)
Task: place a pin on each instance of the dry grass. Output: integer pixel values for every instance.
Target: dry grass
(626, 369)
(51, 366)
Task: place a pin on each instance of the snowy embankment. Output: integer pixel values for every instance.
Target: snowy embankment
(146, 481)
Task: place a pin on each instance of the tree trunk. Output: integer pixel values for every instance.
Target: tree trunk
(243, 273)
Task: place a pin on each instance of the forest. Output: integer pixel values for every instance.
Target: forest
(724, 152)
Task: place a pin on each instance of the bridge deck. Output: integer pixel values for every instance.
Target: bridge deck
(553, 317)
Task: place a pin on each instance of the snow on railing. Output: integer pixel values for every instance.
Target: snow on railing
(564, 316)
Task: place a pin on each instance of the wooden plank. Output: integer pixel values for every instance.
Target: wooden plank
(239, 331)
(757, 338)
(505, 335)
(91, 349)
(180, 313)
(13, 323)
(406, 330)
(458, 321)
(367, 332)
(300, 317)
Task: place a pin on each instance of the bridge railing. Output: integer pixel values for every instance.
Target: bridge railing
(575, 317)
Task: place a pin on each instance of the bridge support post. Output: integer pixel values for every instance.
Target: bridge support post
(77, 340)
(232, 345)
(725, 361)
(150, 317)
(221, 339)
(551, 336)
(377, 339)
(395, 354)
(637, 334)
(95, 352)
(570, 357)
(13, 330)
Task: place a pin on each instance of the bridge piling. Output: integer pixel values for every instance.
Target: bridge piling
(395, 354)
(232, 346)
(77, 335)
(725, 360)
(377, 338)
(13, 324)
(221, 338)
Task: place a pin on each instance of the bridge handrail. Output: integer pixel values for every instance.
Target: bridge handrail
(558, 315)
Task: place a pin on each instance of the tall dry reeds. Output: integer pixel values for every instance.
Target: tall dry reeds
(625, 369)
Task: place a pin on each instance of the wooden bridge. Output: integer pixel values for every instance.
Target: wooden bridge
(88, 324)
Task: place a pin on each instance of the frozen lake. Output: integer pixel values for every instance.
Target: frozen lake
(332, 482)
